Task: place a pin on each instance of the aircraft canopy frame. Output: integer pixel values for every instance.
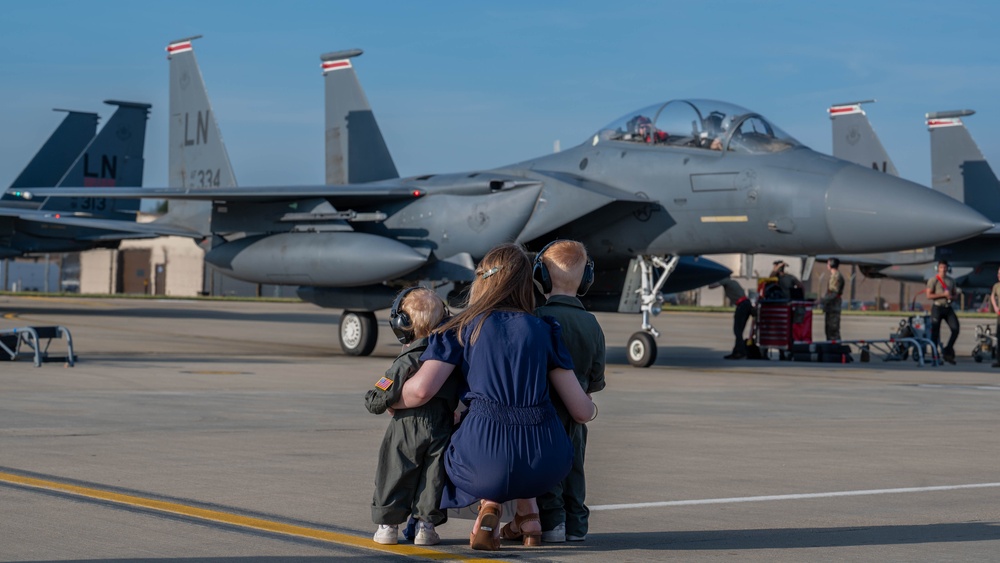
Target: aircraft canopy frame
(702, 124)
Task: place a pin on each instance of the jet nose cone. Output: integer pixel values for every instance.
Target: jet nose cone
(869, 211)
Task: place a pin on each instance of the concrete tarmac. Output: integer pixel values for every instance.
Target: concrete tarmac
(219, 431)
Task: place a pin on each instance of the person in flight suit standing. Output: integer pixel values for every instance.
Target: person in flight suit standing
(832, 301)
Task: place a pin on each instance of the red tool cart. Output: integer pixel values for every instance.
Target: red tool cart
(782, 323)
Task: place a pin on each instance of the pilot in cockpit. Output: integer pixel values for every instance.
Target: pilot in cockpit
(641, 129)
(711, 135)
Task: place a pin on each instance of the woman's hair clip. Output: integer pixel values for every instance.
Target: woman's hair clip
(491, 271)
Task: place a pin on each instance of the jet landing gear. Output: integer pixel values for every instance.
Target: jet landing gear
(358, 332)
(641, 348)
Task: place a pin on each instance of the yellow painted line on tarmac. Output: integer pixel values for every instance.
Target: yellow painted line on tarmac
(238, 520)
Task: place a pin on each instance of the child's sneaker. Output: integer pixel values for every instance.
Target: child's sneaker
(555, 535)
(386, 534)
(426, 534)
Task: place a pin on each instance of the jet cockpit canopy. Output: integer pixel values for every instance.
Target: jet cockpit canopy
(705, 124)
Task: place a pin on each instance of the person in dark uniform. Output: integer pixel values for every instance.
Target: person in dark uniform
(791, 287)
(510, 443)
(941, 290)
(561, 272)
(410, 476)
(744, 309)
(832, 301)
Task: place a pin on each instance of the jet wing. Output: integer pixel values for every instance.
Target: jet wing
(103, 229)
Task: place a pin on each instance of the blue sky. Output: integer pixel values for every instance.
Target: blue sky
(466, 85)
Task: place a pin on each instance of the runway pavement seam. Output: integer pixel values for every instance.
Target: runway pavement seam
(798, 496)
(230, 518)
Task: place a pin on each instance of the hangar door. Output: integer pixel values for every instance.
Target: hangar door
(133, 271)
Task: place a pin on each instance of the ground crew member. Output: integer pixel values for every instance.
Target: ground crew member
(832, 301)
(941, 290)
(744, 309)
(790, 285)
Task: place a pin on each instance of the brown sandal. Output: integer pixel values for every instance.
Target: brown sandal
(484, 537)
(528, 538)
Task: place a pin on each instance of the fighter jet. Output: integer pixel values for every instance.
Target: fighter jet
(958, 170)
(686, 177)
(74, 156)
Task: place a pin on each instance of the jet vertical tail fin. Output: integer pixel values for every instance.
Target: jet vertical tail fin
(59, 152)
(355, 149)
(958, 167)
(854, 139)
(112, 159)
(197, 154)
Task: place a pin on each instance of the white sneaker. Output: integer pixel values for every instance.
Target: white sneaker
(555, 535)
(571, 537)
(425, 534)
(386, 534)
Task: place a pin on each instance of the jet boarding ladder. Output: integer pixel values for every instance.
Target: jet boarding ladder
(31, 337)
(647, 299)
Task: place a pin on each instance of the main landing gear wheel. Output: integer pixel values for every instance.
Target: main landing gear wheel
(641, 350)
(358, 332)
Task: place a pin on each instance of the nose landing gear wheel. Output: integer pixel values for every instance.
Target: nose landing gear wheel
(641, 350)
(358, 332)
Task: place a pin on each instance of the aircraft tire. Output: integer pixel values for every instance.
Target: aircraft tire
(358, 332)
(641, 350)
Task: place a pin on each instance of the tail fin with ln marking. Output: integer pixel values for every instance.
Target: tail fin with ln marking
(59, 152)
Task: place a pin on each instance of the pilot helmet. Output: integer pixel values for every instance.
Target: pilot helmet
(713, 123)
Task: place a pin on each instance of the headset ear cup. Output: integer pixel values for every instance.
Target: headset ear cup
(587, 280)
(399, 321)
(540, 275)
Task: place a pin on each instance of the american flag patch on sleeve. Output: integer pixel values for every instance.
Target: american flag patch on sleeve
(384, 384)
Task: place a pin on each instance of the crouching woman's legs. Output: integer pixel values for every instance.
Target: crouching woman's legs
(525, 526)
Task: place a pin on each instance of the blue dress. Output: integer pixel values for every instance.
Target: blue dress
(510, 444)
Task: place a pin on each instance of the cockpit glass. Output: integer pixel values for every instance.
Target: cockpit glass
(703, 124)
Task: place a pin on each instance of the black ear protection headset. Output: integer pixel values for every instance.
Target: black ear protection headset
(399, 321)
(540, 273)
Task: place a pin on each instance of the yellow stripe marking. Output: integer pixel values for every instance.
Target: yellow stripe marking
(237, 520)
(724, 219)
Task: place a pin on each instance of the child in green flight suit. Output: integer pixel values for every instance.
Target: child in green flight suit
(410, 476)
(563, 271)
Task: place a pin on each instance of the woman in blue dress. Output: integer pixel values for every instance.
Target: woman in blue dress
(510, 445)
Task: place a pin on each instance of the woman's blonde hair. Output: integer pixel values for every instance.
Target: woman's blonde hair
(503, 282)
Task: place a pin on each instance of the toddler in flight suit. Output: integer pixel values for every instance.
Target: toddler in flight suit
(563, 271)
(410, 476)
